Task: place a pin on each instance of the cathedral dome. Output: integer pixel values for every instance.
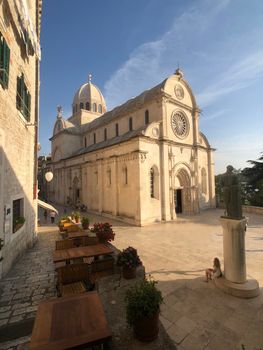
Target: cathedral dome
(89, 97)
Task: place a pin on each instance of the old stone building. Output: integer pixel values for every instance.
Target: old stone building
(19, 93)
(143, 162)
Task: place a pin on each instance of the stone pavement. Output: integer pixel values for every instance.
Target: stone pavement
(195, 314)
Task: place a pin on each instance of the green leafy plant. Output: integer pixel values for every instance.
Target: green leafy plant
(85, 222)
(103, 231)
(128, 258)
(143, 300)
(18, 222)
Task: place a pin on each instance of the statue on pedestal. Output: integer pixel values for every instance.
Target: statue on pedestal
(232, 194)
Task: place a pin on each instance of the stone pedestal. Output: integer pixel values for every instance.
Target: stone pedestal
(234, 249)
(235, 281)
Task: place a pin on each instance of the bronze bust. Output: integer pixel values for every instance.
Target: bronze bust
(231, 194)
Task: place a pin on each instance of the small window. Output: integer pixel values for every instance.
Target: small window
(117, 129)
(87, 106)
(81, 106)
(85, 141)
(100, 108)
(152, 183)
(130, 124)
(94, 107)
(109, 176)
(94, 137)
(125, 175)
(105, 134)
(23, 98)
(146, 117)
(18, 214)
(4, 62)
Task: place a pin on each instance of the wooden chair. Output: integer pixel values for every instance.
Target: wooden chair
(89, 241)
(72, 279)
(65, 244)
(101, 268)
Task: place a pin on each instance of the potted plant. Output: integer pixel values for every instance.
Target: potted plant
(72, 215)
(77, 217)
(61, 223)
(129, 260)
(18, 223)
(85, 222)
(143, 302)
(104, 232)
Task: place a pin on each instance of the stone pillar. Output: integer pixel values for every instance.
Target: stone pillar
(234, 249)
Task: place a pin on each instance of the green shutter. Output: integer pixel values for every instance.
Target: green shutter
(1, 58)
(6, 63)
(28, 105)
(18, 93)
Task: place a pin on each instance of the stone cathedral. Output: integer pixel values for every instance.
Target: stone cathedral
(144, 161)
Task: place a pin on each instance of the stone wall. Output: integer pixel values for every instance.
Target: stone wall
(17, 140)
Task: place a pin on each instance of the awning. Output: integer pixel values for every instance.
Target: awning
(46, 205)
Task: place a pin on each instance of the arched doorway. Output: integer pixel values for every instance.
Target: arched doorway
(76, 190)
(182, 192)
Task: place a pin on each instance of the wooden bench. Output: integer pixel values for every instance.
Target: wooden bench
(72, 279)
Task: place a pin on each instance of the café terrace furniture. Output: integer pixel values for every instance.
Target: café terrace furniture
(81, 252)
(70, 322)
(72, 279)
(101, 268)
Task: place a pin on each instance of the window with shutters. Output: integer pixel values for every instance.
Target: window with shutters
(23, 98)
(4, 62)
(146, 117)
(130, 124)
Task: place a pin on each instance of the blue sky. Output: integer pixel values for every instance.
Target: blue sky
(130, 46)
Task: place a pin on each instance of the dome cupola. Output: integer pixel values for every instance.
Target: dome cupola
(89, 97)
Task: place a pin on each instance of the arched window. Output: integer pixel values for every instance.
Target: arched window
(130, 124)
(125, 175)
(152, 182)
(146, 117)
(94, 107)
(85, 142)
(100, 108)
(87, 106)
(203, 181)
(81, 105)
(109, 176)
(117, 129)
(94, 137)
(105, 134)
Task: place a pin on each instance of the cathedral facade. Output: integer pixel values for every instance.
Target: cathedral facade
(142, 162)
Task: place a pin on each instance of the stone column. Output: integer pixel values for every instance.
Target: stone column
(234, 249)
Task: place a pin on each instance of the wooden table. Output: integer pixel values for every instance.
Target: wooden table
(79, 234)
(68, 322)
(81, 252)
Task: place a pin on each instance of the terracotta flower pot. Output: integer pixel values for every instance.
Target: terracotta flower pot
(147, 329)
(128, 272)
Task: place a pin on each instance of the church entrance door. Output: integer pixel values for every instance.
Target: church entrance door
(178, 201)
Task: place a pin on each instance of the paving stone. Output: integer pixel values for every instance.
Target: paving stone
(186, 324)
(177, 334)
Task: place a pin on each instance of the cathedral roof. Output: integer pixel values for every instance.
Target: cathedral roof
(127, 107)
(111, 142)
(89, 92)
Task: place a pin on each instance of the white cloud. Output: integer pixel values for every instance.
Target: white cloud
(240, 75)
(153, 61)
